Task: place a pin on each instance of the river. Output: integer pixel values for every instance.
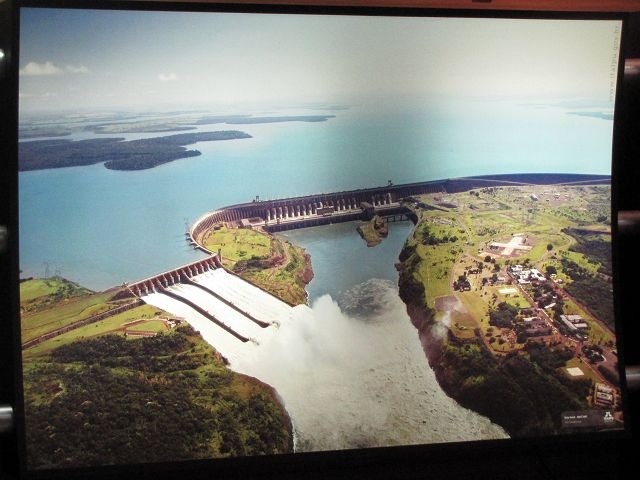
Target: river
(355, 375)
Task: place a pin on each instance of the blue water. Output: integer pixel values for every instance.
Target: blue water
(102, 228)
(334, 247)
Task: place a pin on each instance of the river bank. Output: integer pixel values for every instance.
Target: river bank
(520, 393)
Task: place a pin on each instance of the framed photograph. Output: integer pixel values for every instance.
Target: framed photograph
(258, 235)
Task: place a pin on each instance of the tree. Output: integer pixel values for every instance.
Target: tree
(549, 247)
(558, 309)
(503, 315)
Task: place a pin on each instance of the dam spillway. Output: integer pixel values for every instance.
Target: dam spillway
(243, 311)
(344, 382)
(230, 313)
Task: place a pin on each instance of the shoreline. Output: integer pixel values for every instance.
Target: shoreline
(512, 391)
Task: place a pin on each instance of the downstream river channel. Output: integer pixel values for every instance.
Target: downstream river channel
(353, 374)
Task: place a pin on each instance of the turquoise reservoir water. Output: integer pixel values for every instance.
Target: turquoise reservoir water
(101, 227)
(342, 261)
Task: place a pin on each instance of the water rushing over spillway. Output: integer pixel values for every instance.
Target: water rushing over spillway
(346, 382)
(239, 296)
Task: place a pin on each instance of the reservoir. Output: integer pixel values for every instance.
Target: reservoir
(102, 227)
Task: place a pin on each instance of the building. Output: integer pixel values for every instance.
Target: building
(535, 327)
(574, 322)
(603, 395)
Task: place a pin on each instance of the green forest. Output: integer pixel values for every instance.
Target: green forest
(110, 400)
(525, 394)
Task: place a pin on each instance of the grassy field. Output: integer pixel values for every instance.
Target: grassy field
(461, 324)
(456, 237)
(287, 281)
(112, 324)
(237, 244)
(588, 372)
(50, 304)
(152, 325)
(268, 261)
(35, 288)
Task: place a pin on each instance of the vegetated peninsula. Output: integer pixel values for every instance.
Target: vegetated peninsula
(138, 127)
(264, 259)
(248, 120)
(43, 131)
(191, 123)
(115, 153)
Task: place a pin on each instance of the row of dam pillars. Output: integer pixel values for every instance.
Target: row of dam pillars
(304, 209)
(166, 279)
(272, 210)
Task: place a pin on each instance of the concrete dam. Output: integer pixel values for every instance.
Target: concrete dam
(227, 310)
(344, 382)
(312, 210)
(231, 311)
(325, 208)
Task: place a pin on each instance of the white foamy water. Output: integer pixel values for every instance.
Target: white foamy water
(346, 382)
(256, 302)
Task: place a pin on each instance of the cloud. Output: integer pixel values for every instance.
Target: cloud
(167, 77)
(74, 69)
(35, 69)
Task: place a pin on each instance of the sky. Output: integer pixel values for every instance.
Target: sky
(88, 59)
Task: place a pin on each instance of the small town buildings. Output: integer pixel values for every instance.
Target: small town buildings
(535, 327)
(603, 395)
(574, 323)
(523, 276)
